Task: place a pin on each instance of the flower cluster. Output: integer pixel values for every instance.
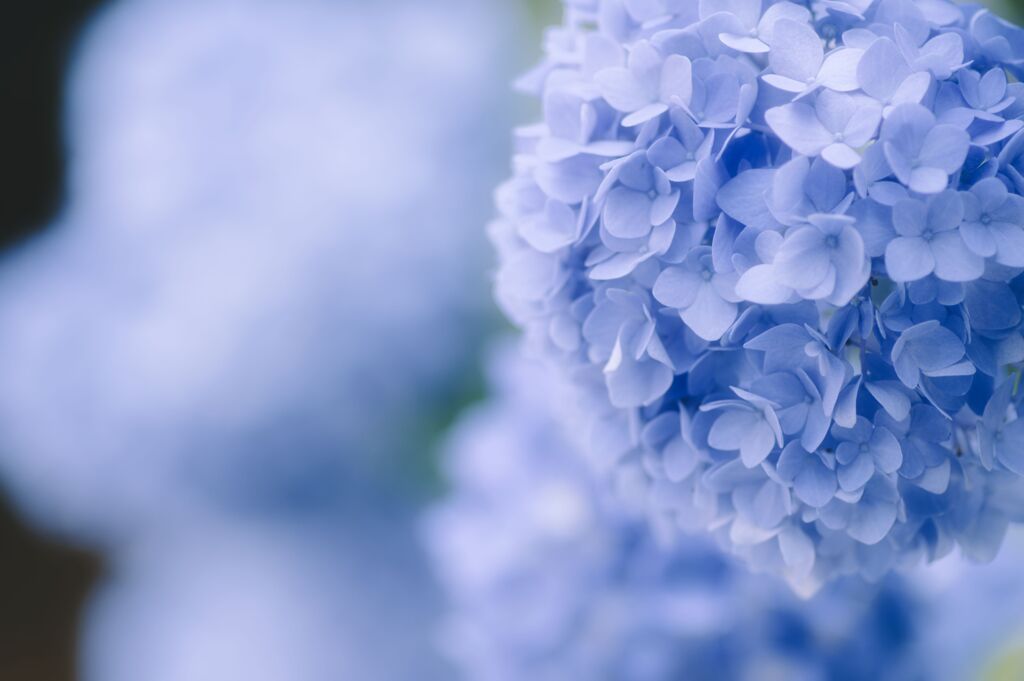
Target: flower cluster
(549, 578)
(780, 244)
(200, 328)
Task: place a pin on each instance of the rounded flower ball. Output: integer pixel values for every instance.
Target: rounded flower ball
(232, 308)
(550, 579)
(780, 244)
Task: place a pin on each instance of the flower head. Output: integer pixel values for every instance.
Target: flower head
(549, 578)
(200, 328)
(793, 231)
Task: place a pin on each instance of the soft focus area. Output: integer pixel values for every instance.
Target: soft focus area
(262, 420)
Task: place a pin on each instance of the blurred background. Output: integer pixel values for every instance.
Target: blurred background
(243, 294)
(112, 113)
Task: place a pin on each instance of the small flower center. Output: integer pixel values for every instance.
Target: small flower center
(838, 137)
(832, 241)
(863, 447)
(706, 275)
(653, 194)
(986, 219)
(927, 234)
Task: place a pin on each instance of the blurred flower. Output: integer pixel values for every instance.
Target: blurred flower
(977, 628)
(788, 229)
(551, 579)
(267, 265)
(317, 599)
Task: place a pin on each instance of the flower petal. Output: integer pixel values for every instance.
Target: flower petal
(797, 51)
(627, 213)
(709, 316)
(908, 259)
(815, 484)
(953, 260)
(798, 126)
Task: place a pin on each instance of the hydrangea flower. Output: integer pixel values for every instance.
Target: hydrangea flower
(796, 247)
(228, 310)
(550, 578)
(312, 598)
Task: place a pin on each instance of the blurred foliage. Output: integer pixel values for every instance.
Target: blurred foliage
(1011, 9)
(1007, 667)
(546, 12)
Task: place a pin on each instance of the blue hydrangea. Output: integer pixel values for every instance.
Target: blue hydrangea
(779, 247)
(228, 309)
(551, 579)
(316, 599)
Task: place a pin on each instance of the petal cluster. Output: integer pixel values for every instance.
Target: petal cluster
(550, 579)
(779, 247)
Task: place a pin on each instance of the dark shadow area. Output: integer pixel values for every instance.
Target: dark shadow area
(42, 588)
(36, 39)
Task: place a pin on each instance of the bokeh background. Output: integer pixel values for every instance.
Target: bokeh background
(103, 584)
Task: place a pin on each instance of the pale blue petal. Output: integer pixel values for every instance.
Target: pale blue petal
(945, 147)
(881, 69)
(771, 504)
(622, 90)
(555, 228)
(839, 70)
(841, 156)
(857, 473)
(797, 549)
(797, 51)
(953, 260)
(744, 198)
(885, 449)
(732, 427)
(798, 126)
(908, 259)
(873, 516)
(709, 316)
(892, 397)
(759, 284)
(680, 459)
(743, 43)
(569, 181)
(1009, 447)
(1009, 244)
(803, 260)
(815, 484)
(677, 287)
(791, 461)
(627, 213)
(928, 180)
(633, 383)
(677, 80)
